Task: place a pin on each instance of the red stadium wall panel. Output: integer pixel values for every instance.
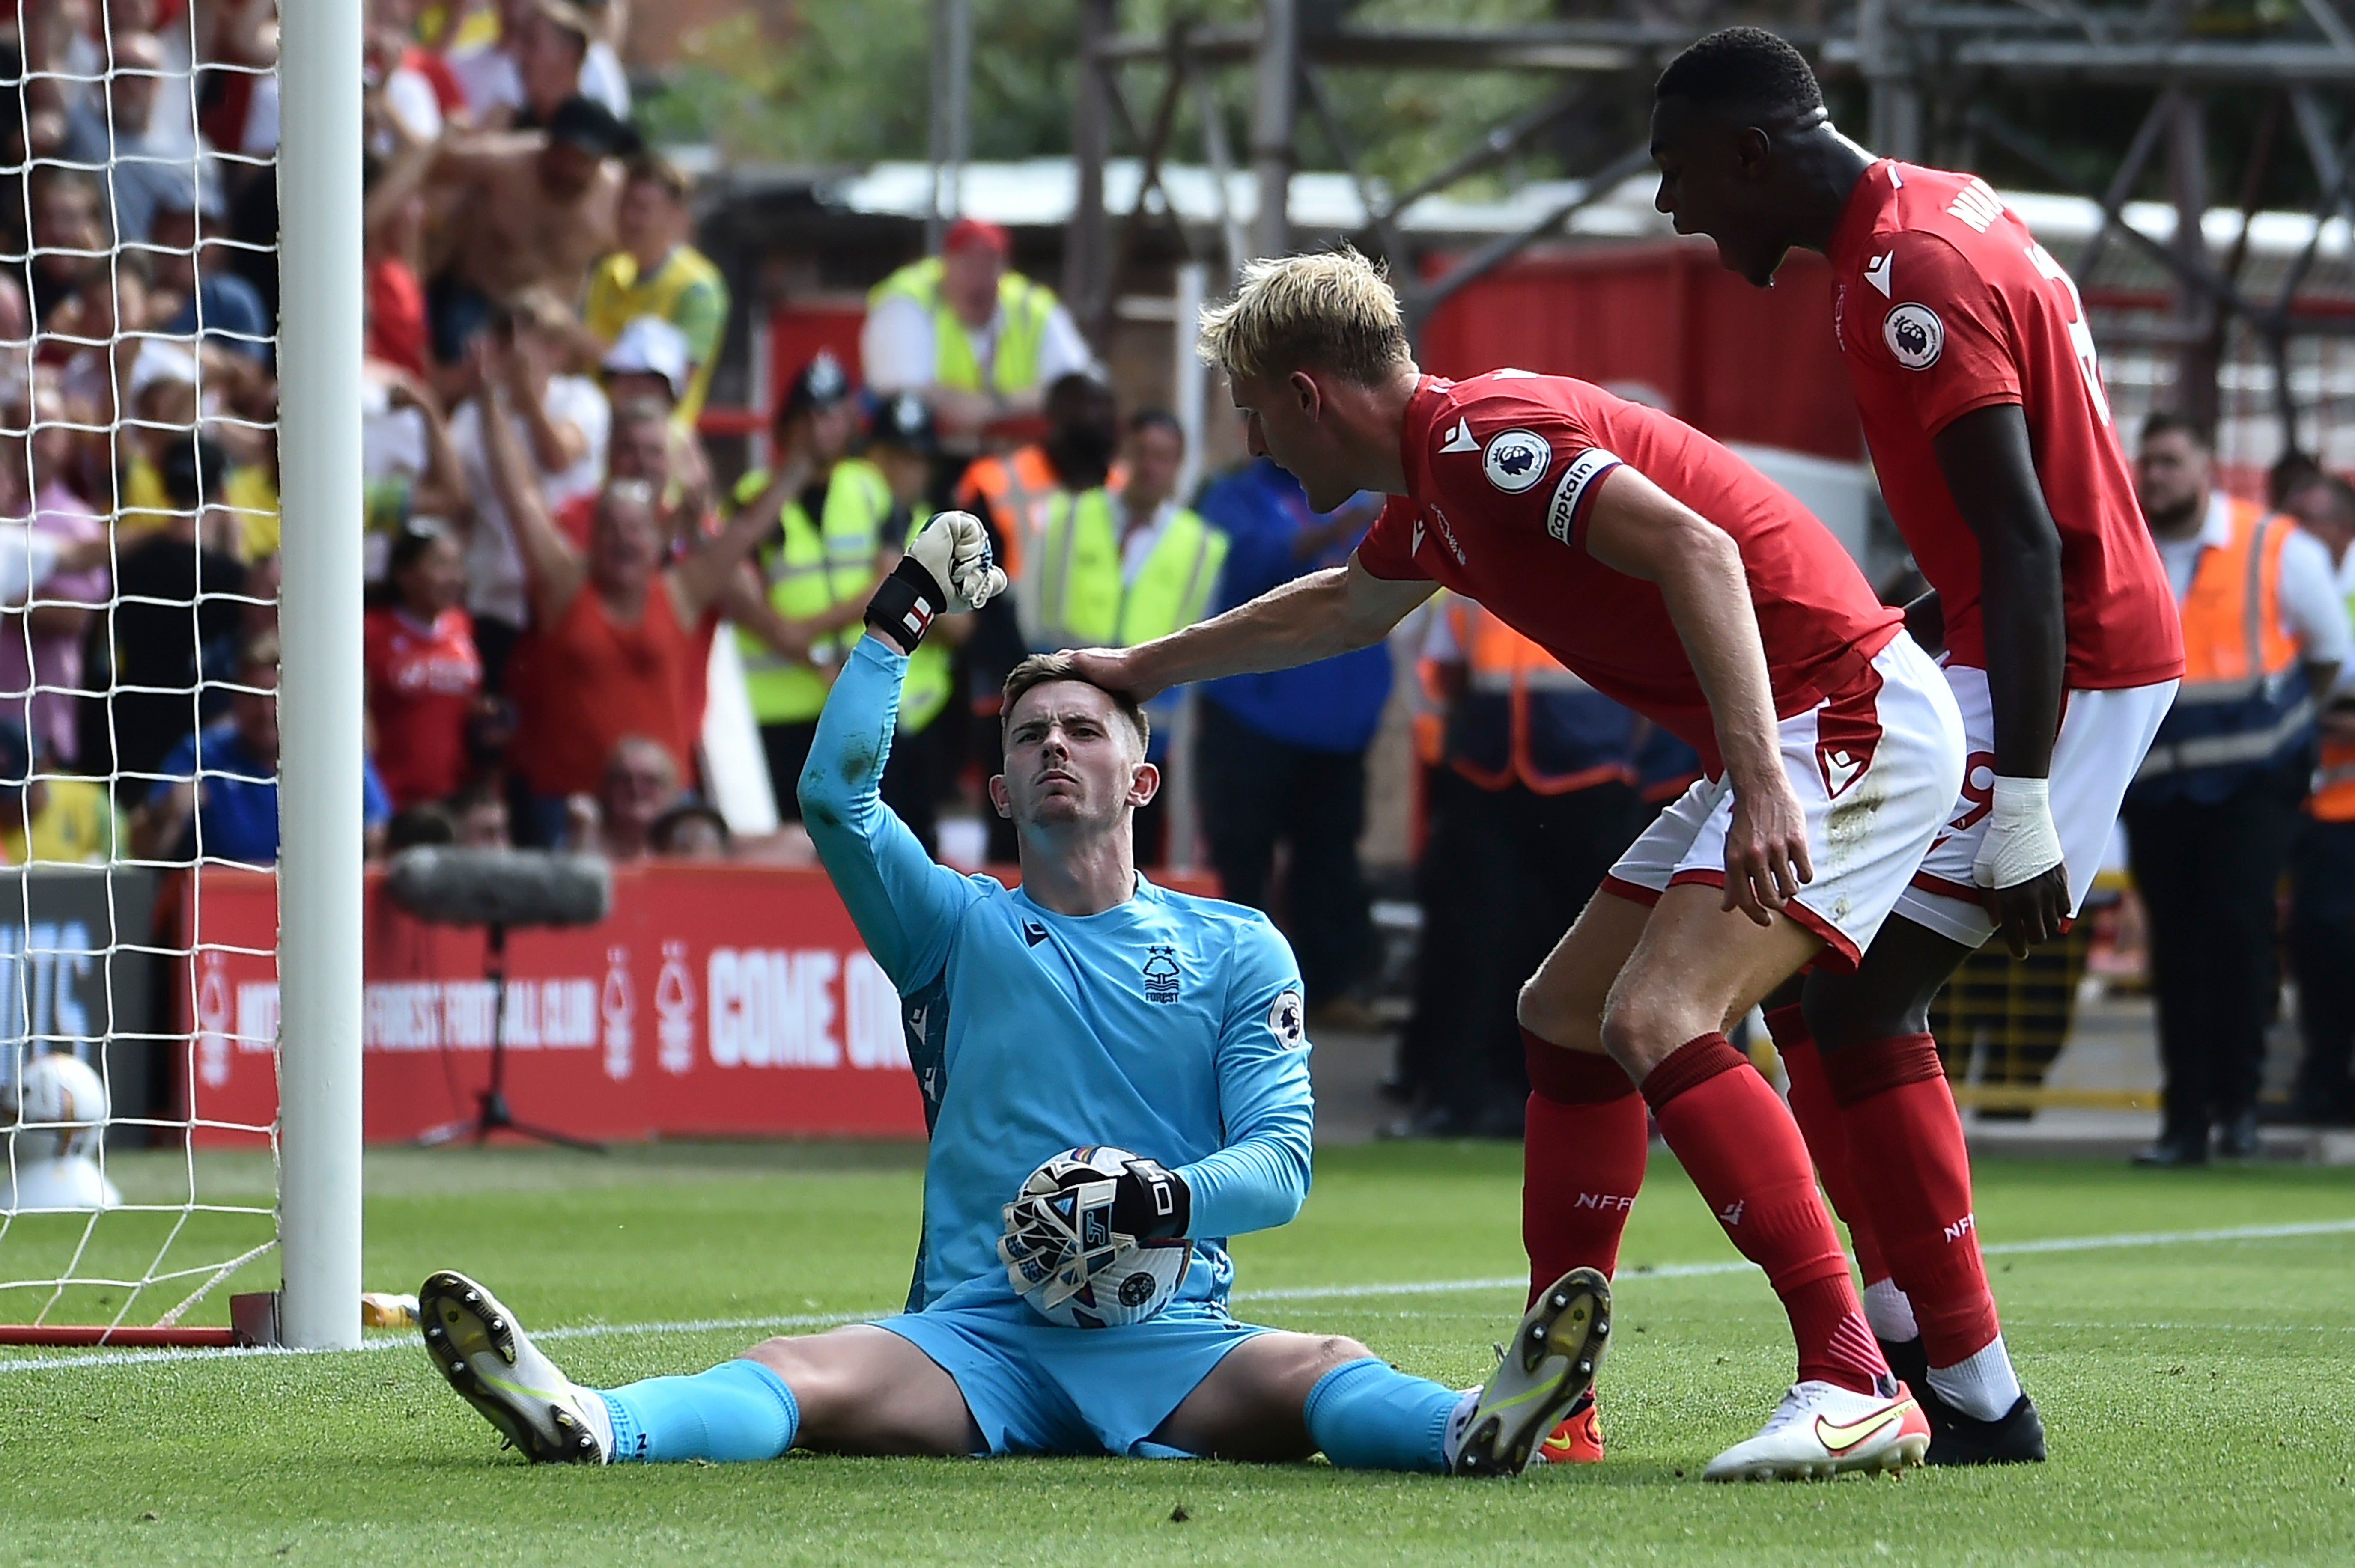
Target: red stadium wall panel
(1742, 364)
(714, 1001)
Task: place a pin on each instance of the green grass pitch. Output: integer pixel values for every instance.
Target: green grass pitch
(2200, 1396)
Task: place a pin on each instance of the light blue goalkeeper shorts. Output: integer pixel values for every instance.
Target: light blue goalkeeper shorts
(1035, 1387)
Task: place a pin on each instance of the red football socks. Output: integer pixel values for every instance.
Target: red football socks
(1903, 1128)
(1818, 1116)
(1582, 1160)
(1742, 1150)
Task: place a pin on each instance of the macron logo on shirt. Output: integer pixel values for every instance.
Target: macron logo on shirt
(1459, 440)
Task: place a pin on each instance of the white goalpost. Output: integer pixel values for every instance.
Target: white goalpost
(321, 683)
(178, 1209)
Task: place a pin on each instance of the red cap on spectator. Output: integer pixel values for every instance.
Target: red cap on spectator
(967, 231)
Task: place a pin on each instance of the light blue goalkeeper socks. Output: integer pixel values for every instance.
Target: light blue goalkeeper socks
(739, 1410)
(1368, 1415)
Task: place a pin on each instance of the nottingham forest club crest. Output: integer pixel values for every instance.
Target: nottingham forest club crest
(1161, 974)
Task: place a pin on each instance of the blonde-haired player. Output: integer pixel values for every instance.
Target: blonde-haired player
(1674, 577)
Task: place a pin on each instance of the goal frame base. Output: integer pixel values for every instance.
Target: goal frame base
(253, 1323)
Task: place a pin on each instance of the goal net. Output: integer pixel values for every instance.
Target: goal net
(139, 537)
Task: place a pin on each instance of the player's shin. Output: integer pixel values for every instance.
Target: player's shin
(739, 1410)
(1366, 1415)
(1818, 1116)
(1582, 1160)
(1903, 1129)
(1742, 1150)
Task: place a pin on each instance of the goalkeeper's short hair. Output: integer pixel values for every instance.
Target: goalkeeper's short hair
(1039, 669)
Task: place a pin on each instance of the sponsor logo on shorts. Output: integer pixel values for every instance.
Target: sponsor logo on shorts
(1516, 460)
(1562, 512)
(1840, 770)
(1914, 335)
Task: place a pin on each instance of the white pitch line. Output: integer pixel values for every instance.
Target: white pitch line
(2131, 1239)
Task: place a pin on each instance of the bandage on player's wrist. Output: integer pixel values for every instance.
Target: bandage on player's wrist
(2022, 843)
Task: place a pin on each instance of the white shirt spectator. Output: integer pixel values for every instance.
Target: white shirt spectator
(2312, 606)
(495, 576)
(897, 352)
(489, 76)
(173, 122)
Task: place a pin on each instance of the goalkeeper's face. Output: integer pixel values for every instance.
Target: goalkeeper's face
(1072, 761)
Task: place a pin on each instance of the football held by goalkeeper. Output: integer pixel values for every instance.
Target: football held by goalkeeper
(1115, 1077)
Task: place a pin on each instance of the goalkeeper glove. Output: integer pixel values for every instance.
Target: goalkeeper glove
(1152, 1202)
(946, 570)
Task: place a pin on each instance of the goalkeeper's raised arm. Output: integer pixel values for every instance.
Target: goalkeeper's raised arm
(1116, 1079)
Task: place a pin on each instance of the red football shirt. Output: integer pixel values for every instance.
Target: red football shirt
(1945, 304)
(422, 684)
(1502, 472)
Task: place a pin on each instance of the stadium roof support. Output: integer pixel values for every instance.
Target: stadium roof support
(1926, 65)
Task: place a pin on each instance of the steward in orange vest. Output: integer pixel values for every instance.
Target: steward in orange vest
(2245, 707)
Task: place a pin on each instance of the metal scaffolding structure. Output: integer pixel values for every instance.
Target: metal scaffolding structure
(1933, 75)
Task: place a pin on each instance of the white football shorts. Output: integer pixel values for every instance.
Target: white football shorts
(1874, 769)
(2103, 737)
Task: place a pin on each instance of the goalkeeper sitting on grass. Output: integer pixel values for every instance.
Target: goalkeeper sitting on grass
(1085, 1008)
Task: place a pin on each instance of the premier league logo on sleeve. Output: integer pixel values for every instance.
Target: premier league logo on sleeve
(1914, 335)
(1517, 461)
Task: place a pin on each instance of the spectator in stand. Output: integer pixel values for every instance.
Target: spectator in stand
(1116, 567)
(41, 645)
(1283, 756)
(825, 515)
(219, 797)
(691, 831)
(391, 245)
(530, 209)
(640, 785)
(2322, 865)
(152, 159)
(647, 368)
(901, 445)
(479, 813)
(197, 298)
(611, 639)
(976, 340)
(562, 421)
(68, 237)
(1534, 799)
(410, 468)
(488, 61)
(46, 818)
(2211, 813)
(657, 273)
(423, 675)
(1010, 493)
(395, 67)
(173, 596)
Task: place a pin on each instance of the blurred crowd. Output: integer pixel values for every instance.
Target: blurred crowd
(553, 560)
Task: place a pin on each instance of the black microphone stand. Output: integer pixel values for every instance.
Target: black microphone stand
(492, 1113)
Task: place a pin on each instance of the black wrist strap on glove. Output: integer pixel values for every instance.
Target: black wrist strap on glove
(1154, 1204)
(906, 602)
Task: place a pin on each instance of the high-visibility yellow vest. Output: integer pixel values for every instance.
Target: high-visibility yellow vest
(1073, 594)
(813, 566)
(1023, 307)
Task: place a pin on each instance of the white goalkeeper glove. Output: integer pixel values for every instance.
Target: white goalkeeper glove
(947, 570)
(1053, 1244)
(2021, 844)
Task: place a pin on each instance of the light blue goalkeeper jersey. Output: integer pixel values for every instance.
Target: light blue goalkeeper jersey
(1170, 1026)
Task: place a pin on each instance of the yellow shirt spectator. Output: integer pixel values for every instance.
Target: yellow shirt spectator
(250, 492)
(72, 824)
(657, 273)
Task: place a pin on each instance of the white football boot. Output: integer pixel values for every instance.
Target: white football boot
(1549, 1364)
(481, 1350)
(1822, 1430)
